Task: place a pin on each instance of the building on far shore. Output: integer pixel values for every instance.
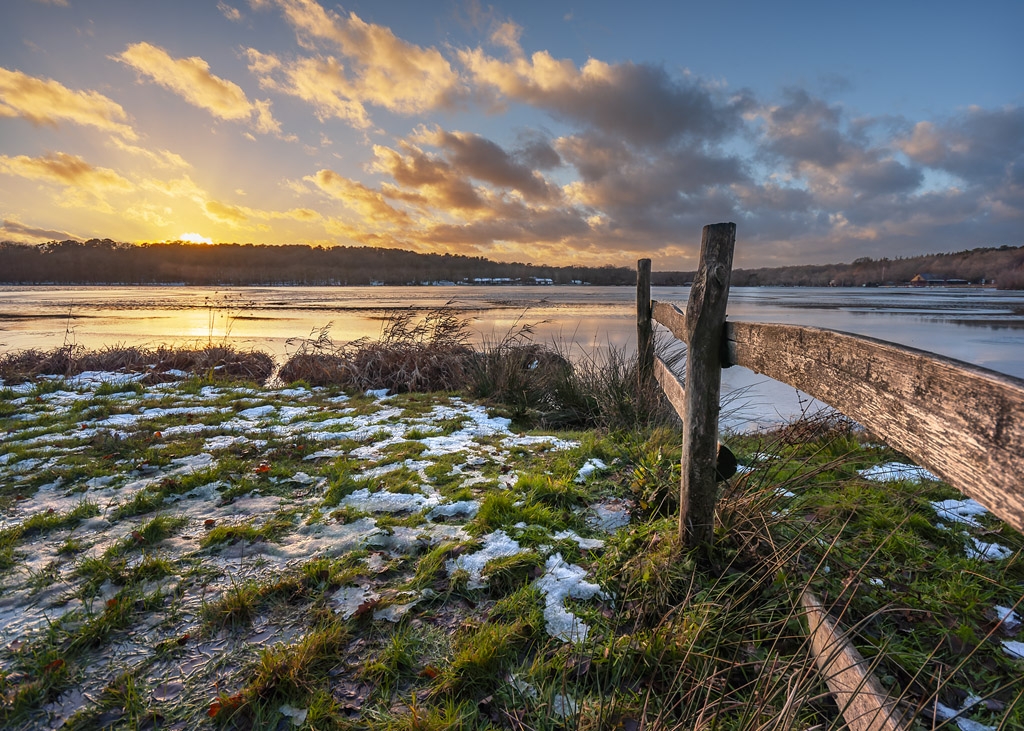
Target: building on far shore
(927, 280)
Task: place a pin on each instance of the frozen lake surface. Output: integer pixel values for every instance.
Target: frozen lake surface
(983, 327)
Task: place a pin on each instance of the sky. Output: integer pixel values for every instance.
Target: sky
(556, 132)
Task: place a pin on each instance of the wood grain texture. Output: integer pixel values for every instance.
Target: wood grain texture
(863, 701)
(671, 385)
(962, 422)
(644, 325)
(704, 329)
(671, 317)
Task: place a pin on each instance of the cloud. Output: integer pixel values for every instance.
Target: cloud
(191, 79)
(980, 146)
(441, 185)
(46, 101)
(480, 158)
(31, 234)
(641, 103)
(321, 82)
(369, 204)
(834, 156)
(161, 158)
(232, 14)
(61, 3)
(64, 169)
(376, 67)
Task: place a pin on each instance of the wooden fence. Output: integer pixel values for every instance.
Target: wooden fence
(962, 422)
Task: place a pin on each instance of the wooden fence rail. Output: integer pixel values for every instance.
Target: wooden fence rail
(962, 422)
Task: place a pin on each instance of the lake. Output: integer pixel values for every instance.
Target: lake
(980, 326)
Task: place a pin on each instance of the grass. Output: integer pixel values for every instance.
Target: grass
(268, 601)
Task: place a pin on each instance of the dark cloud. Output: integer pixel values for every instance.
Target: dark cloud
(640, 102)
(539, 154)
(480, 158)
(981, 146)
(805, 129)
(20, 230)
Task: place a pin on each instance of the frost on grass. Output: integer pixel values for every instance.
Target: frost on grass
(559, 582)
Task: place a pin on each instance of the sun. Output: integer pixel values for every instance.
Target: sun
(194, 238)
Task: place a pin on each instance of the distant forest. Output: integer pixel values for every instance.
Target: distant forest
(102, 261)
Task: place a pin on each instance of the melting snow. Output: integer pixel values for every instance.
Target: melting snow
(496, 545)
(893, 471)
(1013, 648)
(987, 551)
(584, 543)
(388, 502)
(560, 582)
(1009, 618)
(610, 515)
(960, 511)
(348, 599)
(591, 466)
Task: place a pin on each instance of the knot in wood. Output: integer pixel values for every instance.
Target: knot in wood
(720, 274)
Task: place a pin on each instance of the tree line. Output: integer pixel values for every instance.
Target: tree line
(103, 261)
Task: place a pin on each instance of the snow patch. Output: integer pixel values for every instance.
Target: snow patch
(591, 466)
(559, 582)
(496, 545)
(895, 471)
(960, 511)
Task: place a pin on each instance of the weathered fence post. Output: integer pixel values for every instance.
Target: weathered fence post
(705, 324)
(644, 325)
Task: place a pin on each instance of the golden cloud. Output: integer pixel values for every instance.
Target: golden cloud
(384, 70)
(321, 82)
(46, 101)
(160, 158)
(63, 169)
(367, 203)
(191, 79)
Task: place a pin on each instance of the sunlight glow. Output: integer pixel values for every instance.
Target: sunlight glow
(194, 238)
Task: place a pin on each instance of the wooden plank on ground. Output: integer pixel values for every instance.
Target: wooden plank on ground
(962, 422)
(863, 701)
(671, 317)
(671, 386)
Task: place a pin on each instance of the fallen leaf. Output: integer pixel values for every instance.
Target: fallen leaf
(209, 523)
(262, 467)
(429, 672)
(139, 538)
(54, 666)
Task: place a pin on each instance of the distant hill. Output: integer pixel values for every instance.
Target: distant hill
(102, 261)
(1003, 266)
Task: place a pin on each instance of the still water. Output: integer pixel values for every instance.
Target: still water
(984, 327)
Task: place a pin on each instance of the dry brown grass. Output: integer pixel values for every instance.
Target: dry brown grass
(429, 355)
(70, 360)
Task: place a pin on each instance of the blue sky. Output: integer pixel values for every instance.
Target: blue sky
(561, 132)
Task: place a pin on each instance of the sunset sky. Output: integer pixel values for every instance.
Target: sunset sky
(552, 132)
